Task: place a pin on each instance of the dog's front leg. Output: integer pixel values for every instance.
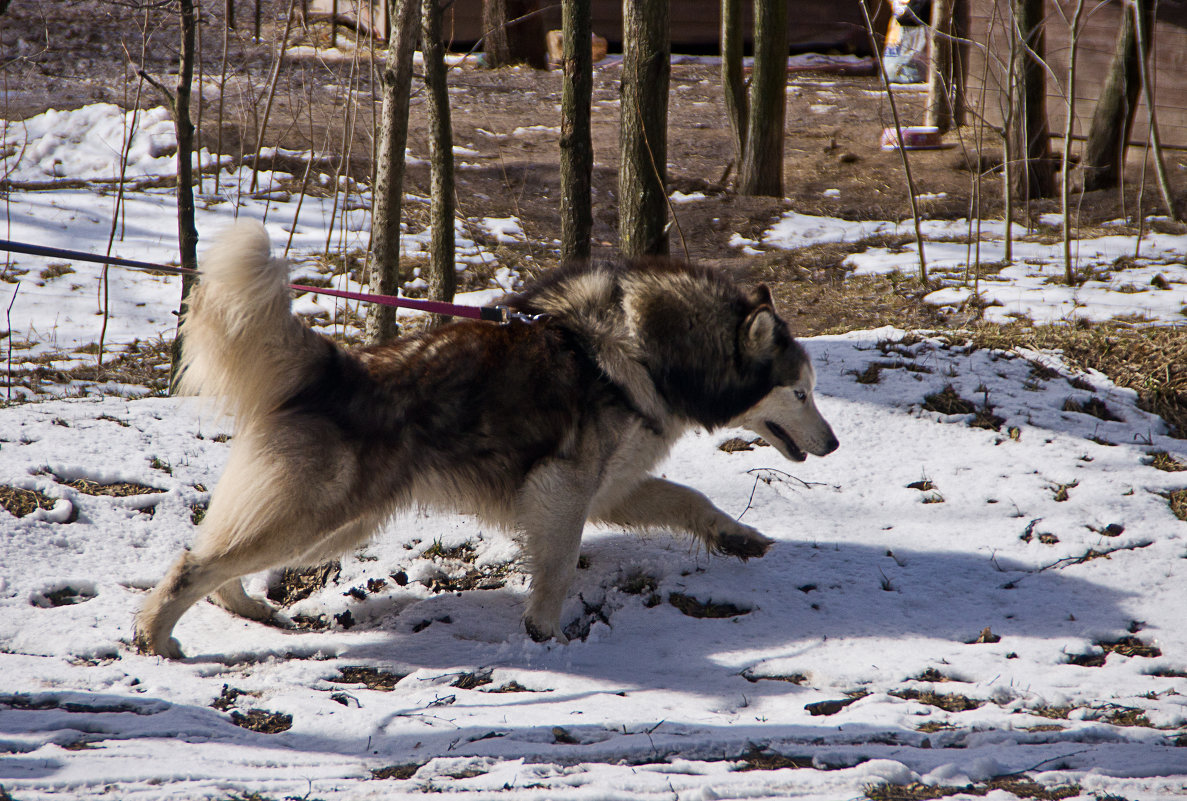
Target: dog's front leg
(658, 503)
(552, 509)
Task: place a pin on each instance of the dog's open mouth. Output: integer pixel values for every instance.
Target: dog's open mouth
(793, 451)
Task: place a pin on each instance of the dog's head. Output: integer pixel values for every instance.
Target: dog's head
(786, 416)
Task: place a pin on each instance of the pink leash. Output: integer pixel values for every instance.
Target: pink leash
(496, 314)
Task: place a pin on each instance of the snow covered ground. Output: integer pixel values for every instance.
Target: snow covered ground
(983, 586)
(1141, 279)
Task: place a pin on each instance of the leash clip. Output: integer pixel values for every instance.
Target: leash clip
(503, 315)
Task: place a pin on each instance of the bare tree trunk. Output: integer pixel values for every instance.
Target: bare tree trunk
(228, 24)
(495, 47)
(1112, 120)
(940, 80)
(1069, 127)
(960, 60)
(442, 278)
(576, 137)
(513, 33)
(761, 170)
(1164, 186)
(1032, 137)
(733, 81)
(1009, 120)
(187, 231)
(404, 27)
(199, 61)
(643, 137)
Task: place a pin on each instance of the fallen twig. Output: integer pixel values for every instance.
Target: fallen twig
(1067, 561)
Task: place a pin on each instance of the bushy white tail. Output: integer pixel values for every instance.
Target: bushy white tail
(241, 345)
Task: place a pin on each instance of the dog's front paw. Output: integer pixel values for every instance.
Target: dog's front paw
(744, 543)
(543, 633)
(169, 647)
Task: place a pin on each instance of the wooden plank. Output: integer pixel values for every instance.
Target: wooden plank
(694, 22)
(1094, 53)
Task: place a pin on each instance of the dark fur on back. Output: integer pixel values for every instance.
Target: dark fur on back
(489, 401)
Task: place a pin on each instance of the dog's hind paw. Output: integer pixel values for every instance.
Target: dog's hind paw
(232, 598)
(744, 544)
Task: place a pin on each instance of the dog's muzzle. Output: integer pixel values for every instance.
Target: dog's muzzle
(794, 451)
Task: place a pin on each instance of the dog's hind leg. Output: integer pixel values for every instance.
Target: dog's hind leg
(214, 567)
(252, 525)
(552, 509)
(657, 503)
(235, 600)
(340, 541)
(189, 580)
(217, 561)
(232, 597)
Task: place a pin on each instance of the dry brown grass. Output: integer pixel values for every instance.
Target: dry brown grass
(296, 584)
(702, 609)
(263, 721)
(399, 772)
(1019, 786)
(949, 702)
(820, 299)
(1149, 360)
(1125, 646)
(1178, 502)
(372, 678)
(119, 489)
(140, 364)
(1161, 460)
(20, 502)
(767, 760)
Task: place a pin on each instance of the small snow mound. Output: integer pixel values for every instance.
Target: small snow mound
(887, 770)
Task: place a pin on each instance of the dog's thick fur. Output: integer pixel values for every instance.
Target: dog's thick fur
(536, 426)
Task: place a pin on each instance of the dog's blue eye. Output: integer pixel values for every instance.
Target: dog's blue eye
(800, 395)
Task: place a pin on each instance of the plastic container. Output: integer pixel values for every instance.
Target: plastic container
(915, 137)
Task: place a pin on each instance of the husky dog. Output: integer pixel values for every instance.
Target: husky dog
(536, 425)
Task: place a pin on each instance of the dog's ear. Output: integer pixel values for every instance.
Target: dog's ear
(759, 331)
(761, 296)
